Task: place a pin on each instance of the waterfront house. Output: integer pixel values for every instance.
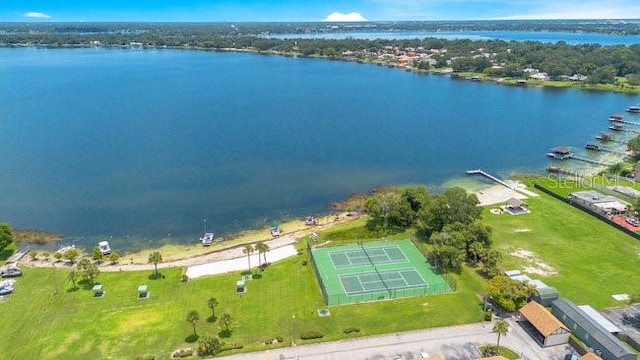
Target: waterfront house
(604, 205)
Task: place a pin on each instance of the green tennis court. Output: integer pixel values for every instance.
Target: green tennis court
(360, 257)
(374, 271)
(379, 281)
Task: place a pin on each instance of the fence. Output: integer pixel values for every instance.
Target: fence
(318, 277)
(586, 210)
(341, 299)
(453, 284)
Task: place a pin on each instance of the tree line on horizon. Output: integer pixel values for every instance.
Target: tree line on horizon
(601, 64)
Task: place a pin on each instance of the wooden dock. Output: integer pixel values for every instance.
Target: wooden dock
(627, 122)
(559, 170)
(590, 161)
(19, 254)
(490, 177)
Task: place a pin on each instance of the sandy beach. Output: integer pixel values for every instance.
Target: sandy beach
(225, 257)
(499, 194)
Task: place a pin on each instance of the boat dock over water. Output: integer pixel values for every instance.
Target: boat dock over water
(559, 170)
(620, 120)
(596, 147)
(489, 176)
(607, 137)
(634, 109)
(590, 161)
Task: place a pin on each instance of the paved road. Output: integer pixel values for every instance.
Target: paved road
(454, 342)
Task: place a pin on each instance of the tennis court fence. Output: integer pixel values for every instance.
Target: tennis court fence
(453, 284)
(342, 298)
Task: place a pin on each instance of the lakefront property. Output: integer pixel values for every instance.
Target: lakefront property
(241, 139)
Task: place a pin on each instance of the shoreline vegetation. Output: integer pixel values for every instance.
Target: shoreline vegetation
(614, 68)
(35, 236)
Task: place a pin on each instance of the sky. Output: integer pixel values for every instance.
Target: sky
(312, 10)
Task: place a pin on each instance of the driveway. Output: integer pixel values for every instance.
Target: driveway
(453, 342)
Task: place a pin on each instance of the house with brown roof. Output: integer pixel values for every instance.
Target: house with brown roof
(590, 356)
(543, 326)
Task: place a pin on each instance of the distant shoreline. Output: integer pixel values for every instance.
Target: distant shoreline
(469, 76)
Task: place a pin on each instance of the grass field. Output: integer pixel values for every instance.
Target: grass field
(283, 302)
(592, 259)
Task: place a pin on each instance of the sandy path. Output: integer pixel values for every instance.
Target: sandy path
(239, 263)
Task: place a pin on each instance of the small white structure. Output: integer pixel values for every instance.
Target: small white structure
(275, 230)
(104, 247)
(206, 239)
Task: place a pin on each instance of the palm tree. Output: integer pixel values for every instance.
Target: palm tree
(212, 303)
(248, 249)
(262, 248)
(193, 317)
(73, 276)
(155, 258)
(501, 327)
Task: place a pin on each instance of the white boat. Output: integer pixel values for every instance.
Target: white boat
(104, 247)
(206, 239)
(634, 109)
(63, 249)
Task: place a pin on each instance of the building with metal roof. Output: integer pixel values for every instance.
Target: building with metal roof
(592, 334)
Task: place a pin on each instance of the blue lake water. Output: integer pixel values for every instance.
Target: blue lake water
(143, 144)
(541, 36)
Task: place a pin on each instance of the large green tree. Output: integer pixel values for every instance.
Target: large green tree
(507, 293)
(71, 254)
(453, 205)
(155, 258)
(395, 208)
(6, 236)
(97, 254)
(88, 270)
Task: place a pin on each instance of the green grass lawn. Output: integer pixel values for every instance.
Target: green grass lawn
(283, 302)
(592, 259)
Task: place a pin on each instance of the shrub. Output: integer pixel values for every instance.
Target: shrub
(180, 353)
(304, 263)
(146, 357)
(307, 335)
(231, 347)
(184, 278)
(488, 315)
(489, 350)
(350, 330)
(274, 340)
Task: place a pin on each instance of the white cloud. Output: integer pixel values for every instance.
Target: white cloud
(36, 15)
(340, 17)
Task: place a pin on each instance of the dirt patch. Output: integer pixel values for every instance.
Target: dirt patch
(533, 265)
